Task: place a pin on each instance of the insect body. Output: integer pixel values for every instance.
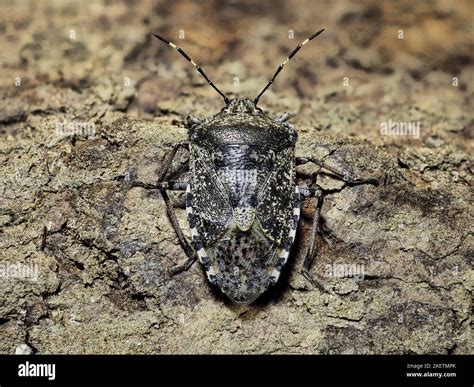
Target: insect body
(242, 200)
(242, 204)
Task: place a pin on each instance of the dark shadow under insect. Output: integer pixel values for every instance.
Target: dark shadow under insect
(242, 197)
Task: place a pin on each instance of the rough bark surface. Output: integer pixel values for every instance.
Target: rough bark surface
(103, 249)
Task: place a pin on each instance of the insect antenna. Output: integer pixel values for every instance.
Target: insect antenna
(198, 68)
(284, 63)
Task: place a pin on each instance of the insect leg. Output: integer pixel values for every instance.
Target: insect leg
(308, 259)
(342, 174)
(164, 186)
(192, 120)
(169, 160)
(308, 192)
(172, 185)
(284, 117)
(169, 185)
(192, 257)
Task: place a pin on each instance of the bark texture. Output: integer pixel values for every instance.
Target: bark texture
(103, 250)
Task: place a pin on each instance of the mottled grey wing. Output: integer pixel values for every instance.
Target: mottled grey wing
(276, 197)
(211, 205)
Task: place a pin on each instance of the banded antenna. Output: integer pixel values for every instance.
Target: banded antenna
(198, 68)
(255, 101)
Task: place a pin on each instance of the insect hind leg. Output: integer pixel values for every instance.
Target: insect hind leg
(315, 230)
(192, 257)
(164, 187)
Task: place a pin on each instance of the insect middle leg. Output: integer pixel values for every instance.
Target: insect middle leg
(317, 192)
(164, 186)
(344, 175)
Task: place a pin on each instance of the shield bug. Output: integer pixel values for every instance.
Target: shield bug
(242, 199)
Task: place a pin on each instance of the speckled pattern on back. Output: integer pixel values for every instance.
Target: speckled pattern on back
(243, 204)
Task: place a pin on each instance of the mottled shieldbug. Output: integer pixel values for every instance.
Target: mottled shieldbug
(242, 199)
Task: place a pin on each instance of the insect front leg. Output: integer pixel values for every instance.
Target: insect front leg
(344, 175)
(191, 121)
(315, 229)
(284, 117)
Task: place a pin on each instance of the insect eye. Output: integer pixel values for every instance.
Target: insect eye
(193, 136)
